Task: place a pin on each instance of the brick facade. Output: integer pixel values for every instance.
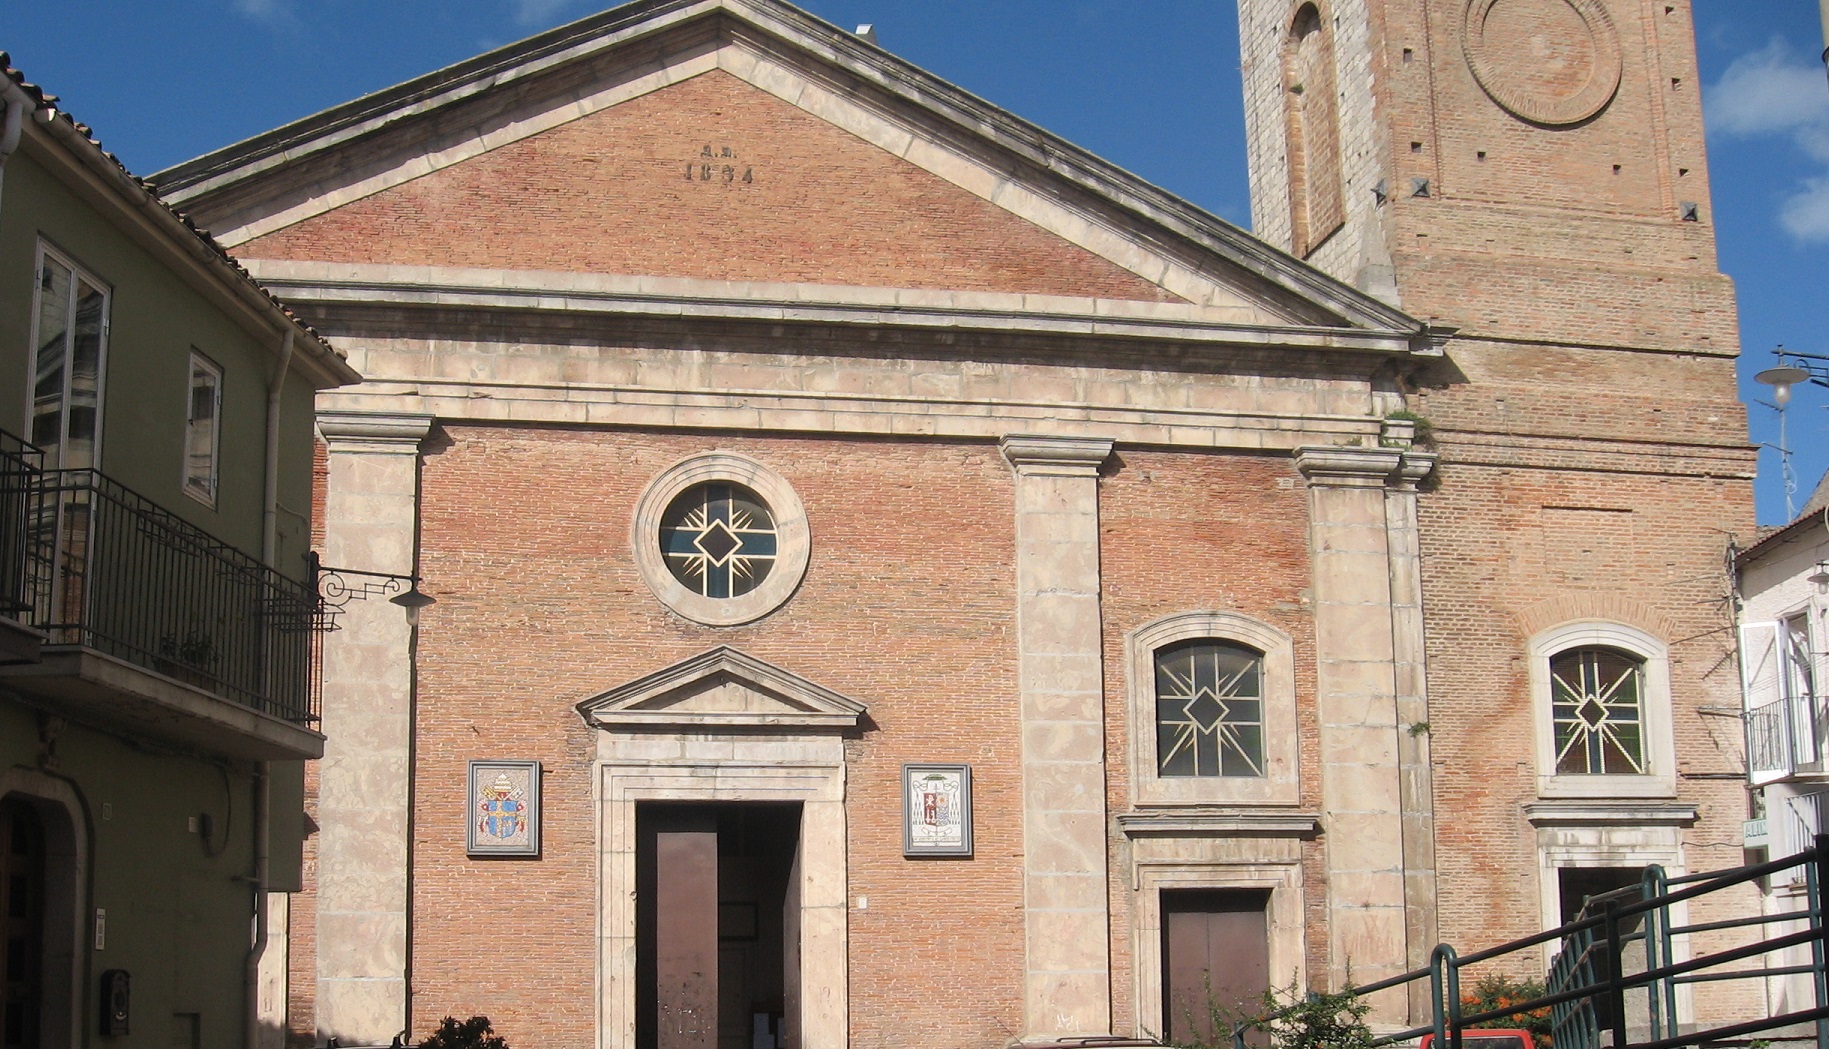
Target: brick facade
(1189, 425)
(804, 202)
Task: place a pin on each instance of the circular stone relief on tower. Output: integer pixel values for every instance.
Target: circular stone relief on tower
(720, 539)
(1551, 62)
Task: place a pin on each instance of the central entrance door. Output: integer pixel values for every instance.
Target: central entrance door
(716, 925)
(1215, 961)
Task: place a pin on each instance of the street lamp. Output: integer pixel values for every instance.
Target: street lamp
(1791, 369)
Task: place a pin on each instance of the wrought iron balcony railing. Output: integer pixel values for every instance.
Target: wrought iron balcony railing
(21, 478)
(1781, 738)
(115, 572)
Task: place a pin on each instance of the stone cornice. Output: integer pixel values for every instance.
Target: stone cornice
(1337, 467)
(664, 699)
(1034, 455)
(397, 433)
(1621, 813)
(683, 299)
(1212, 823)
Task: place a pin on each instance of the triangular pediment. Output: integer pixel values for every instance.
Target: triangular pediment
(722, 690)
(735, 141)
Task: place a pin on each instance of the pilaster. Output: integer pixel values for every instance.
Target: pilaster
(1409, 673)
(371, 520)
(1067, 965)
(1368, 636)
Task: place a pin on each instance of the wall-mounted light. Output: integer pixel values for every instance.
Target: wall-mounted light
(335, 590)
(1821, 577)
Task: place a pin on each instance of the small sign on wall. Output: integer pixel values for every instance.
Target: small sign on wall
(504, 808)
(936, 810)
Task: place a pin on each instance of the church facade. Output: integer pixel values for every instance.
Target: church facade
(903, 580)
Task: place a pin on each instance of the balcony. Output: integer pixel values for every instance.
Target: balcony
(21, 476)
(152, 626)
(1787, 727)
(1782, 739)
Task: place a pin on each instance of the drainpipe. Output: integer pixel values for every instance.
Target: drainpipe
(269, 518)
(263, 784)
(17, 102)
(263, 797)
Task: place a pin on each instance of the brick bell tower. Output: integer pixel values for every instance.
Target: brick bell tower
(1532, 172)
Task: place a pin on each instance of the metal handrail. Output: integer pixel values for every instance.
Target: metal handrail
(121, 574)
(1589, 971)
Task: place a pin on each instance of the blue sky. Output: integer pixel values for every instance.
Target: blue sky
(1150, 84)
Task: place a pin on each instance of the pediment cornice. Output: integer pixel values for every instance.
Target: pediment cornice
(722, 690)
(403, 133)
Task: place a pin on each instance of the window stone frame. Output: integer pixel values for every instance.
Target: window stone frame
(793, 538)
(1659, 781)
(1280, 784)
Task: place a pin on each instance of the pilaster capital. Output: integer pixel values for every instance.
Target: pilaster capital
(1332, 466)
(1034, 455)
(384, 433)
(1414, 467)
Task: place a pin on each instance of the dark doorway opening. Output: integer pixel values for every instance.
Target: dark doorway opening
(1575, 885)
(22, 890)
(716, 953)
(1215, 961)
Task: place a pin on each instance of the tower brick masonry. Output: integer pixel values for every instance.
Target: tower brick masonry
(1532, 173)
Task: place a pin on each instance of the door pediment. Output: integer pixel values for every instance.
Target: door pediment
(722, 690)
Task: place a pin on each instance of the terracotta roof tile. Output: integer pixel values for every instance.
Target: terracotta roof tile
(45, 102)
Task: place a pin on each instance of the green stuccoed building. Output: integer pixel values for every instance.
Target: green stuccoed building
(157, 649)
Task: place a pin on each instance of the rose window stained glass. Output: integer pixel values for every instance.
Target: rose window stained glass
(718, 539)
(1209, 710)
(1596, 702)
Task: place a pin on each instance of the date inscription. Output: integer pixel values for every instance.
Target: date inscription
(719, 166)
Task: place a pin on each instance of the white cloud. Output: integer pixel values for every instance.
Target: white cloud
(526, 12)
(1805, 215)
(1768, 91)
(1772, 92)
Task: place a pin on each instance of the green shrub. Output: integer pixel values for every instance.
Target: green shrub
(1298, 1021)
(1497, 991)
(474, 1033)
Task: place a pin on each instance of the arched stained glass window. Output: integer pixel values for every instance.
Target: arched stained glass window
(1597, 708)
(1209, 710)
(718, 539)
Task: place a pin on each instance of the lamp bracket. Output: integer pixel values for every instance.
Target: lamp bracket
(337, 587)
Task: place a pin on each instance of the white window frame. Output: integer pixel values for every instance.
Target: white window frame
(1659, 778)
(206, 493)
(78, 272)
(793, 539)
(1280, 784)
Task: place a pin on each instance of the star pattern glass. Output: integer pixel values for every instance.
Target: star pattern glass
(1597, 706)
(1209, 710)
(718, 539)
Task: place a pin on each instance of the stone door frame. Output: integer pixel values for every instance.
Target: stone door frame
(809, 771)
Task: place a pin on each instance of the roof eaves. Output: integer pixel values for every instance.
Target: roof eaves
(79, 140)
(1805, 523)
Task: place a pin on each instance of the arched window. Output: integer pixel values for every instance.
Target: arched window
(1212, 712)
(1312, 131)
(1601, 692)
(1598, 709)
(1209, 709)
